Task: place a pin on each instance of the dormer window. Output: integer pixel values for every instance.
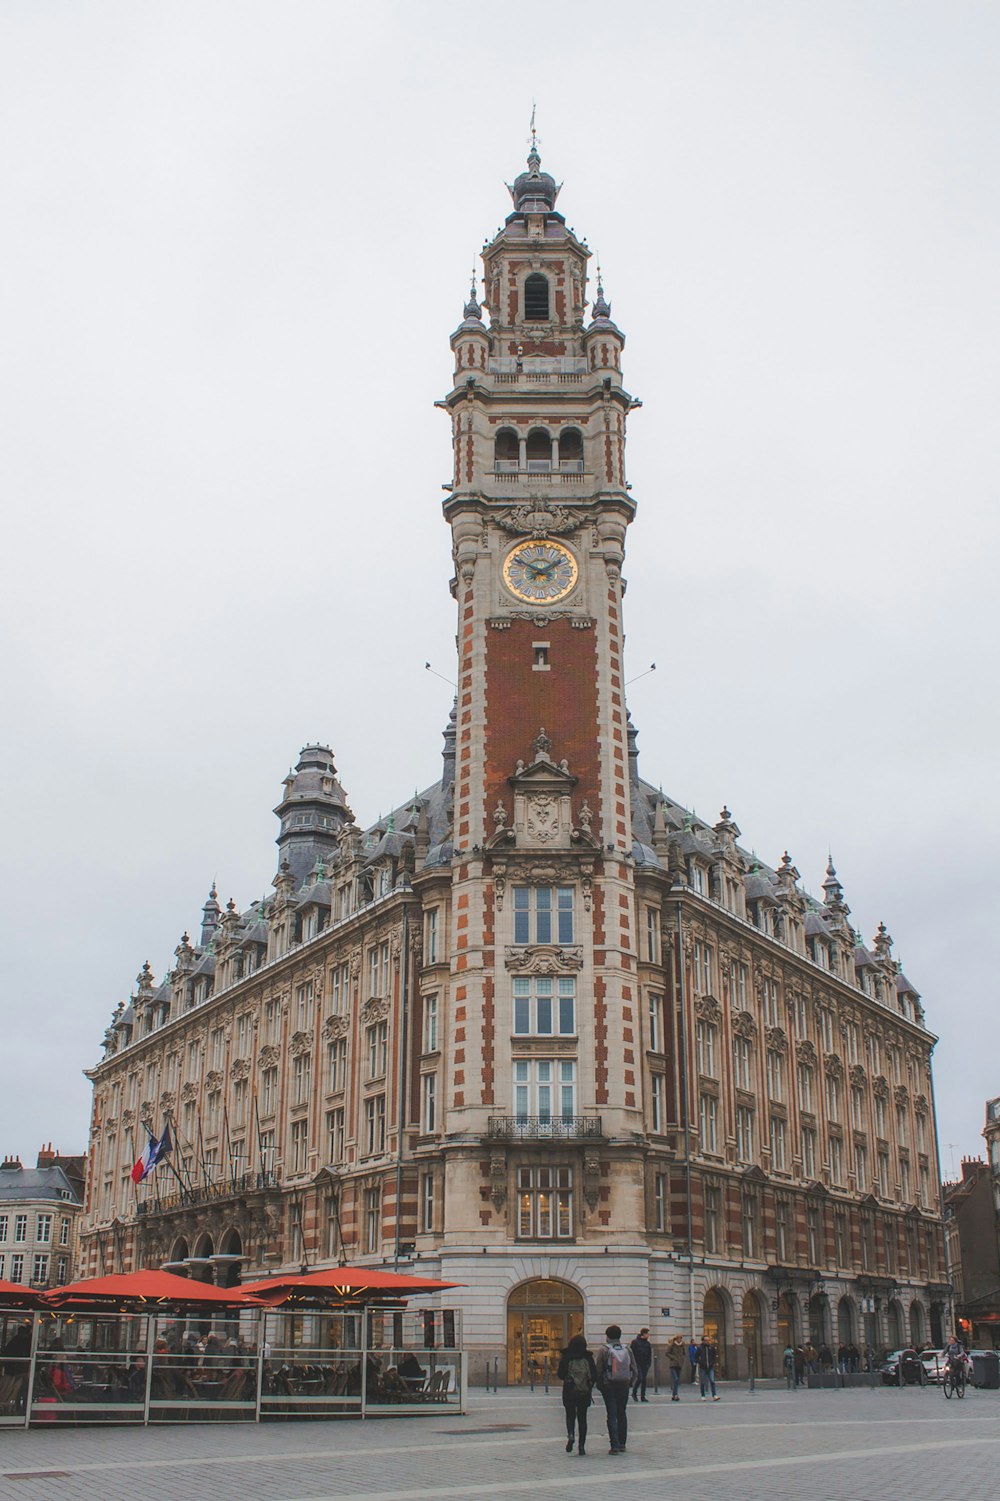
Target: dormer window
(536, 298)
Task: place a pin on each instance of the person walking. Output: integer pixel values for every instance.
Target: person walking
(676, 1356)
(578, 1374)
(800, 1366)
(788, 1364)
(642, 1353)
(616, 1373)
(693, 1358)
(706, 1368)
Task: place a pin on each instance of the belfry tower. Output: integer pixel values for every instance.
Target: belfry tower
(543, 963)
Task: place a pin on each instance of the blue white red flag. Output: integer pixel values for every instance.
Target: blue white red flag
(153, 1152)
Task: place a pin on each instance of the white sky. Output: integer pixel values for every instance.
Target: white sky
(236, 239)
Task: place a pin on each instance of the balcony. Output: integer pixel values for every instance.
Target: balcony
(533, 367)
(544, 1128)
(209, 1193)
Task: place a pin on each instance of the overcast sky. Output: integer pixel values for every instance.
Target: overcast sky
(236, 239)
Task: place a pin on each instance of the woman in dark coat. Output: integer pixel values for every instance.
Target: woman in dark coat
(578, 1375)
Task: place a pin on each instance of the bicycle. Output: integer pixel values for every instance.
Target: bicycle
(954, 1381)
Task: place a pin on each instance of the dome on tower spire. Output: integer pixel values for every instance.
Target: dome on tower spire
(534, 191)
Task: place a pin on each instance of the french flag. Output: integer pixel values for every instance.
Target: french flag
(153, 1152)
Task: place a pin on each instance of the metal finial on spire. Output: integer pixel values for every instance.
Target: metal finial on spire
(534, 134)
(602, 308)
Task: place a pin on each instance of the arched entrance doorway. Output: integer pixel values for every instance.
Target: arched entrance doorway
(542, 1316)
(918, 1326)
(753, 1330)
(937, 1324)
(845, 1321)
(819, 1319)
(714, 1327)
(787, 1320)
(895, 1325)
(201, 1265)
(228, 1272)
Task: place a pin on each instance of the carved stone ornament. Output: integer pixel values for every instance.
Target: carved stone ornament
(268, 1056)
(708, 1008)
(334, 1027)
(591, 1180)
(498, 1180)
(543, 959)
(539, 519)
(239, 1068)
(745, 1026)
(128, 1119)
(189, 1094)
(374, 1011)
(301, 1043)
(167, 1100)
(213, 1079)
(111, 1123)
(542, 823)
(880, 1087)
(833, 1065)
(355, 963)
(902, 1096)
(146, 1111)
(857, 1076)
(777, 1040)
(806, 1053)
(920, 1104)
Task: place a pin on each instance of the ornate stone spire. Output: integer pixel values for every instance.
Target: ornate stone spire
(472, 308)
(602, 308)
(210, 917)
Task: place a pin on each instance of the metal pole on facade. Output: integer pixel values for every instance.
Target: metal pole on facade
(686, 1099)
(150, 1346)
(261, 1341)
(364, 1362)
(29, 1390)
(404, 969)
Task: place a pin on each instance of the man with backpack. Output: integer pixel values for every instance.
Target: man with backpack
(578, 1375)
(616, 1373)
(642, 1352)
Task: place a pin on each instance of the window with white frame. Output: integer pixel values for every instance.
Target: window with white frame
(660, 1201)
(40, 1268)
(857, 1108)
(713, 1219)
(861, 1180)
(782, 1237)
(708, 1116)
(335, 1135)
(300, 1145)
(705, 1035)
(336, 1065)
(852, 1042)
(808, 1152)
(738, 985)
(655, 1013)
(17, 1268)
(702, 969)
(544, 1088)
(340, 988)
(813, 1234)
(543, 914)
(904, 1178)
(373, 1220)
(43, 1229)
(4, 1225)
(300, 1079)
(778, 1142)
(213, 1111)
(836, 1161)
(430, 1024)
(832, 1089)
(378, 970)
(427, 1203)
(62, 1269)
(544, 1203)
(20, 1228)
(544, 1006)
(824, 1020)
(880, 1116)
(656, 1117)
(431, 936)
(268, 1091)
(741, 1062)
(744, 1133)
(429, 1102)
(882, 1171)
(652, 935)
(750, 1218)
(699, 878)
(377, 1039)
(303, 1006)
(805, 1080)
(772, 1003)
(775, 1074)
(375, 1124)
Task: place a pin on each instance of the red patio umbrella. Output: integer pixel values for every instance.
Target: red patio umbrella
(138, 1288)
(16, 1295)
(340, 1284)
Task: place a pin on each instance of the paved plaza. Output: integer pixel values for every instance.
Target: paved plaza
(882, 1445)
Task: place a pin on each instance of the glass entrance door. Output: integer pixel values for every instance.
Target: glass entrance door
(542, 1317)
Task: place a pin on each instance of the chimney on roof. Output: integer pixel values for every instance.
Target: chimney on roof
(13, 1163)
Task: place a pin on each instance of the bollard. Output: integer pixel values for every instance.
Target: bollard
(496, 1373)
(531, 1375)
(656, 1375)
(750, 1363)
(545, 1374)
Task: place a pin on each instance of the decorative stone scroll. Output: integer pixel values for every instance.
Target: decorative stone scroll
(902, 1096)
(544, 959)
(591, 1180)
(744, 1026)
(858, 1077)
(880, 1087)
(240, 1068)
(498, 1180)
(375, 1010)
(189, 1093)
(776, 1040)
(213, 1079)
(805, 1053)
(334, 1027)
(268, 1056)
(301, 1043)
(833, 1066)
(920, 1104)
(708, 1008)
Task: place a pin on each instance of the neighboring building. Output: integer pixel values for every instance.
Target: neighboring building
(972, 1230)
(39, 1212)
(541, 1028)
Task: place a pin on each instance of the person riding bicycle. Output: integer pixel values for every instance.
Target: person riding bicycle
(955, 1358)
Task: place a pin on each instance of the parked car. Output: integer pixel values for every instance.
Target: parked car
(933, 1362)
(902, 1368)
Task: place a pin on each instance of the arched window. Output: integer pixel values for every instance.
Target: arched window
(536, 297)
(571, 450)
(506, 449)
(539, 450)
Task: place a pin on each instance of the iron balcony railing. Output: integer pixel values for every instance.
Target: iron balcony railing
(208, 1193)
(544, 1127)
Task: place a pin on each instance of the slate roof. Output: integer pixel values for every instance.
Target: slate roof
(21, 1184)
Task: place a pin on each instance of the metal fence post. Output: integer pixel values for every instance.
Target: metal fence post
(150, 1345)
(545, 1374)
(656, 1375)
(752, 1377)
(29, 1386)
(496, 1374)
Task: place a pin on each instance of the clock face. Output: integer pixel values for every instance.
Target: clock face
(540, 572)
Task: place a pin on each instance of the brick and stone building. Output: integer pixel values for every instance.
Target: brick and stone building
(541, 1030)
(972, 1231)
(40, 1208)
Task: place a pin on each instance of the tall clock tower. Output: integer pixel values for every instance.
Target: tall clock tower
(544, 1008)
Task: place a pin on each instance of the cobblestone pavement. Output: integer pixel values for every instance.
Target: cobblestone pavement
(883, 1445)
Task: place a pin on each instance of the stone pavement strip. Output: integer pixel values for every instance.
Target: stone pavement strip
(882, 1445)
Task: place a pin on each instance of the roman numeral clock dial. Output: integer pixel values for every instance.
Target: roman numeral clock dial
(540, 573)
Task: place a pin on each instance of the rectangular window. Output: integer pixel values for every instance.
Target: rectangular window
(824, 1018)
(336, 1065)
(660, 1201)
(857, 1108)
(832, 1087)
(373, 1220)
(43, 1229)
(836, 1161)
(925, 1185)
(741, 1062)
(427, 1203)
(782, 1214)
(840, 1237)
(713, 1219)
(300, 1079)
(699, 882)
(40, 1269)
(543, 914)
(851, 1042)
(705, 1048)
(303, 1006)
(808, 1152)
(652, 935)
(431, 936)
(544, 1089)
(62, 1270)
(775, 1075)
(777, 1144)
(805, 1077)
(656, 1044)
(749, 1217)
(882, 1168)
(744, 1133)
(861, 1181)
(544, 1006)
(902, 1126)
(874, 1053)
(20, 1228)
(702, 969)
(242, 1036)
(812, 1232)
(63, 1232)
(272, 1020)
(300, 1145)
(430, 1023)
(881, 1117)
(268, 1091)
(213, 1111)
(707, 1116)
(771, 1003)
(544, 1203)
(375, 1123)
(904, 1179)
(217, 1048)
(429, 1108)
(17, 1268)
(378, 1049)
(335, 1135)
(656, 1102)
